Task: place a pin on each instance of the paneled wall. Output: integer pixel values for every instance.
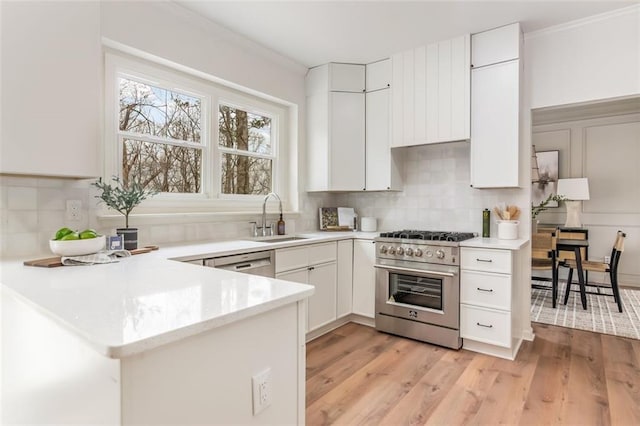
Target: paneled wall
(604, 149)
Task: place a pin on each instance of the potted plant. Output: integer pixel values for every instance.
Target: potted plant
(123, 199)
(536, 210)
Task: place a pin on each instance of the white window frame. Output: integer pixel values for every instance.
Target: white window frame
(211, 198)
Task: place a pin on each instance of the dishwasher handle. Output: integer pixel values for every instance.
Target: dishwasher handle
(246, 266)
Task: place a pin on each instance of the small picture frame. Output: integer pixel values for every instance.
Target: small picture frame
(115, 242)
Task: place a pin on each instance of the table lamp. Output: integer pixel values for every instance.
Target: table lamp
(574, 190)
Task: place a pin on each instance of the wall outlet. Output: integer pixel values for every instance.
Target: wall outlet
(607, 259)
(74, 210)
(261, 384)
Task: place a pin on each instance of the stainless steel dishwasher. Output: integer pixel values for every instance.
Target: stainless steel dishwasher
(259, 263)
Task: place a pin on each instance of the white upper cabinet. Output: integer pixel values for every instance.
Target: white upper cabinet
(431, 96)
(346, 77)
(335, 128)
(497, 45)
(382, 163)
(348, 131)
(51, 88)
(495, 110)
(378, 75)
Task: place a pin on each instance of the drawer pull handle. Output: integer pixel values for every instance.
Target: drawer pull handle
(484, 260)
(484, 325)
(490, 290)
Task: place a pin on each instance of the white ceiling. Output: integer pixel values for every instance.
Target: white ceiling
(315, 32)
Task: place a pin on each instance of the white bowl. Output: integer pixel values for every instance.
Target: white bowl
(77, 247)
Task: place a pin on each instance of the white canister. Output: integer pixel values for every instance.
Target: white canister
(368, 224)
(508, 229)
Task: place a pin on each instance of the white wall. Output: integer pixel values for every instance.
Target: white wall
(31, 208)
(594, 58)
(436, 194)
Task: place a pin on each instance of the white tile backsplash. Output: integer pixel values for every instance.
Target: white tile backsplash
(22, 198)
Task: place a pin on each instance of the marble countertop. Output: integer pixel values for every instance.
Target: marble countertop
(148, 300)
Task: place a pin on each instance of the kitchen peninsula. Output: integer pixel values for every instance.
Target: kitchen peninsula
(151, 340)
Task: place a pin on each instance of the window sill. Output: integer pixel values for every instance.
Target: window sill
(117, 220)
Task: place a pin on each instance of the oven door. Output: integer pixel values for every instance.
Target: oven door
(430, 295)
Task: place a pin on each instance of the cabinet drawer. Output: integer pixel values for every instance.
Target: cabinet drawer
(485, 325)
(488, 260)
(322, 253)
(485, 289)
(291, 258)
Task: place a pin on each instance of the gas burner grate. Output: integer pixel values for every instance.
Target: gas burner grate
(412, 234)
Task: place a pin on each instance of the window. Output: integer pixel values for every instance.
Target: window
(247, 154)
(205, 146)
(160, 135)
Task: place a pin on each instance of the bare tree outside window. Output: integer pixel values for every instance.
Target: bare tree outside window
(246, 150)
(160, 132)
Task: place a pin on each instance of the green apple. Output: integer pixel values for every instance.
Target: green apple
(70, 236)
(87, 234)
(62, 232)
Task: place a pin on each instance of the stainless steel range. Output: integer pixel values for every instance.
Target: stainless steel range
(418, 285)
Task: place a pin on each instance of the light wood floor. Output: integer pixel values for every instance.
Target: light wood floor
(356, 375)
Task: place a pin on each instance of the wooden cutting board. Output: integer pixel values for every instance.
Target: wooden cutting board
(53, 262)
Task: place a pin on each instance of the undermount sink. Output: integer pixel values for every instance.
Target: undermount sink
(278, 239)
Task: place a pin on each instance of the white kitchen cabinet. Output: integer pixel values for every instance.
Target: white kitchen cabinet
(335, 128)
(346, 77)
(51, 121)
(348, 132)
(496, 45)
(383, 164)
(364, 278)
(378, 75)
(313, 264)
(344, 296)
(495, 112)
(489, 317)
(431, 103)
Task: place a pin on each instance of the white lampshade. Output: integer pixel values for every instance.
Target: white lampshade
(574, 189)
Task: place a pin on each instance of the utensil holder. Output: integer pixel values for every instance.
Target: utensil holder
(508, 229)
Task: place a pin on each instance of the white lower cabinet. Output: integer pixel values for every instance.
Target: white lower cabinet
(314, 264)
(364, 278)
(489, 320)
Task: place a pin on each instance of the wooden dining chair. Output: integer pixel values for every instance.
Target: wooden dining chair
(610, 268)
(543, 258)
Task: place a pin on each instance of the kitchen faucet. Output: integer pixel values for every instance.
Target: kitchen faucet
(264, 213)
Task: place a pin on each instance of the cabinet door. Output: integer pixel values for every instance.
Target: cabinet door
(346, 77)
(51, 88)
(344, 296)
(364, 278)
(497, 45)
(378, 75)
(397, 100)
(378, 152)
(322, 304)
(347, 141)
(494, 125)
(298, 276)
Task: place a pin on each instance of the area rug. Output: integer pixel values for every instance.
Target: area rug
(601, 316)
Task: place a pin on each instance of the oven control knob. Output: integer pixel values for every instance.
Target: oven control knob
(399, 251)
(418, 253)
(429, 254)
(440, 254)
(392, 250)
(383, 249)
(409, 251)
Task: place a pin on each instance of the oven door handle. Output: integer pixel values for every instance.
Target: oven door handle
(415, 271)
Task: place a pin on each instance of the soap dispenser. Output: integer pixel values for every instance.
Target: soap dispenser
(281, 225)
